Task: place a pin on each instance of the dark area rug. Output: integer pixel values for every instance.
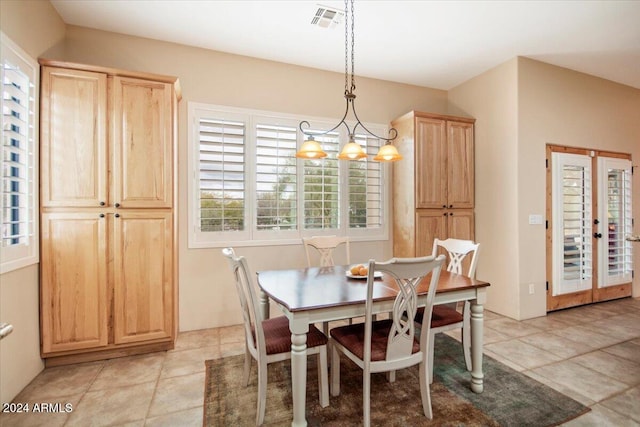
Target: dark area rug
(509, 398)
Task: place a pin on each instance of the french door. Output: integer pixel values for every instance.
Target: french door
(589, 218)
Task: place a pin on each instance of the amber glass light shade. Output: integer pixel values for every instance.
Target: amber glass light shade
(311, 149)
(388, 153)
(352, 151)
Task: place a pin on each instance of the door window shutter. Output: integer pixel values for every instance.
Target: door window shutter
(614, 205)
(572, 223)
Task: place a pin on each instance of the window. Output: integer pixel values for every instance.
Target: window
(247, 187)
(18, 211)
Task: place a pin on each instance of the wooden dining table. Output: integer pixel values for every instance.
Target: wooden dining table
(322, 294)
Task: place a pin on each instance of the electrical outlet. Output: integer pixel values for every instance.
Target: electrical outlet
(532, 288)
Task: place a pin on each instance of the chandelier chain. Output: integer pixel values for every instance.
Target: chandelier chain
(353, 58)
(346, 48)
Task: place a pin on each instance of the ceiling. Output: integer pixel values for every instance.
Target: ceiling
(437, 44)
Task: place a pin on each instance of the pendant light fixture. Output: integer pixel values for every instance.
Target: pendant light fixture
(311, 149)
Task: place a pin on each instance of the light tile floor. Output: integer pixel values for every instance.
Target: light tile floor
(590, 353)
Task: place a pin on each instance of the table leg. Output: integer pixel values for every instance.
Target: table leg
(264, 305)
(299, 376)
(477, 377)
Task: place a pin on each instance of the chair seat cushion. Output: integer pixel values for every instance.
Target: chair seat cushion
(442, 315)
(352, 338)
(278, 336)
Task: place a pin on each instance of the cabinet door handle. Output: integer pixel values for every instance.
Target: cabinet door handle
(444, 206)
(117, 205)
(450, 213)
(101, 215)
(102, 203)
(444, 214)
(596, 221)
(597, 235)
(117, 215)
(450, 206)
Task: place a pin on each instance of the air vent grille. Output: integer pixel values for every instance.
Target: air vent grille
(327, 17)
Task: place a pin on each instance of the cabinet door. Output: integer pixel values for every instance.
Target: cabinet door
(430, 224)
(143, 276)
(460, 225)
(431, 163)
(143, 143)
(73, 146)
(460, 172)
(73, 281)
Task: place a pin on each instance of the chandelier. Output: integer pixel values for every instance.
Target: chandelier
(311, 149)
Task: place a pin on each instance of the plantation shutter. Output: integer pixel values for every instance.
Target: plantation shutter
(614, 206)
(221, 175)
(19, 130)
(276, 169)
(321, 187)
(365, 187)
(572, 219)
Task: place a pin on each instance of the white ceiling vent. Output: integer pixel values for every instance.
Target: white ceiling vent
(327, 17)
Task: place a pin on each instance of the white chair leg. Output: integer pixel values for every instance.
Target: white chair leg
(466, 336)
(323, 377)
(262, 392)
(391, 376)
(335, 372)
(366, 398)
(432, 338)
(247, 367)
(425, 391)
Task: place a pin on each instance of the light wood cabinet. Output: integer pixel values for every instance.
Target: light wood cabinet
(108, 182)
(433, 186)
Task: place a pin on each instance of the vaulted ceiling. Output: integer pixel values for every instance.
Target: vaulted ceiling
(437, 44)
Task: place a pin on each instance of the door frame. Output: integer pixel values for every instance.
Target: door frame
(595, 294)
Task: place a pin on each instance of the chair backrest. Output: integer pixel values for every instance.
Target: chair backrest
(407, 273)
(325, 246)
(457, 251)
(249, 301)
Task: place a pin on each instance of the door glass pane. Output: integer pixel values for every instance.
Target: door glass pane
(616, 256)
(576, 222)
(572, 249)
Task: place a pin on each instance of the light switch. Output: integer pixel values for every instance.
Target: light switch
(535, 219)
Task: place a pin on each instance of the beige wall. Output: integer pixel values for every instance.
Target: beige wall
(207, 295)
(20, 352)
(520, 106)
(492, 99)
(564, 107)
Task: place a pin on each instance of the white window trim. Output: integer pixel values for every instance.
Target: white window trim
(13, 258)
(250, 237)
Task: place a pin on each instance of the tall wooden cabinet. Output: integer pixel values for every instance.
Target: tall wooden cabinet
(108, 219)
(433, 186)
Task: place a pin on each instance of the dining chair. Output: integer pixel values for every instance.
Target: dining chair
(390, 344)
(447, 317)
(269, 340)
(325, 246)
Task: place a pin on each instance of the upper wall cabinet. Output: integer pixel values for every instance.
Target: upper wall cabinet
(73, 149)
(444, 163)
(143, 143)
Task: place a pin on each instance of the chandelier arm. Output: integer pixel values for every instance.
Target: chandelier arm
(316, 133)
(392, 131)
